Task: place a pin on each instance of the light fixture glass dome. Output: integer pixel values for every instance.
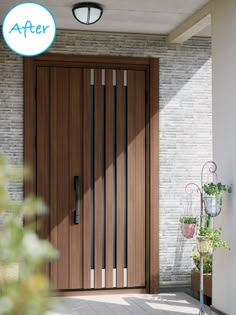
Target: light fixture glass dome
(87, 12)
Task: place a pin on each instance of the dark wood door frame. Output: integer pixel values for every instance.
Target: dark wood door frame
(151, 66)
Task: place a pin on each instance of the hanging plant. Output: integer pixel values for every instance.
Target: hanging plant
(209, 239)
(203, 245)
(213, 197)
(188, 226)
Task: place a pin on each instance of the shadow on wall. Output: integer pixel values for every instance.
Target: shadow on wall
(185, 144)
(184, 246)
(178, 63)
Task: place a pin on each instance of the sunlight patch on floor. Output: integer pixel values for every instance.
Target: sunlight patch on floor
(128, 304)
(174, 308)
(164, 297)
(110, 299)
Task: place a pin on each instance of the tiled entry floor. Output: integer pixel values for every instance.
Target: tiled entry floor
(130, 304)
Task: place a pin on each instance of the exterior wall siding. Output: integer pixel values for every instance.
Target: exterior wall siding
(185, 123)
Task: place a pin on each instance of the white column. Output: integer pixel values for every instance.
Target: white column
(224, 146)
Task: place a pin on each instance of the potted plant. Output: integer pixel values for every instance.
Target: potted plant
(209, 239)
(213, 197)
(207, 273)
(188, 224)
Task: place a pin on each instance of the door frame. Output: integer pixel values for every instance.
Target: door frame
(151, 67)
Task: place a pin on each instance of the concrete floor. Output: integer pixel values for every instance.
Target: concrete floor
(129, 304)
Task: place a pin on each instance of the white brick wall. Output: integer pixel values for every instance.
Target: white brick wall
(185, 122)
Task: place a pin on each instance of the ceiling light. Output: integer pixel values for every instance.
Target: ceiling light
(87, 12)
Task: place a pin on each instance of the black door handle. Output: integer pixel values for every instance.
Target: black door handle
(77, 200)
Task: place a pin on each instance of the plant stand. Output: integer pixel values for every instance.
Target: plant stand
(203, 249)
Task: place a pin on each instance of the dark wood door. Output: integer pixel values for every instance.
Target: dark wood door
(91, 123)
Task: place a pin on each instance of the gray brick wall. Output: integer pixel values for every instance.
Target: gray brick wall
(185, 122)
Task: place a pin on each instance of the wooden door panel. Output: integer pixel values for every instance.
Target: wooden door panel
(60, 173)
(53, 173)
(136, 178)
(120, 147)
(75, 169)
(91, 124)
(59, 141)
(98, 178)
(43, 146)
(131, 178)
(140, 180)
(109, 179)
(87, 170)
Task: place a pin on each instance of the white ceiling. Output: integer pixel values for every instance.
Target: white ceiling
(132, 16)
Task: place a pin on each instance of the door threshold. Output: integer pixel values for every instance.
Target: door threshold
(75, 292)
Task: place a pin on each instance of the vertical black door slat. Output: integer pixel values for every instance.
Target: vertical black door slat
(114, 169)
(92, 164)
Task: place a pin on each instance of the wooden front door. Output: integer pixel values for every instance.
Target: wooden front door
(92, 165)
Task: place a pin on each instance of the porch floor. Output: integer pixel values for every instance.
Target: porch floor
(129, 304)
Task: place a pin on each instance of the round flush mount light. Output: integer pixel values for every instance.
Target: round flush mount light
(87, 12)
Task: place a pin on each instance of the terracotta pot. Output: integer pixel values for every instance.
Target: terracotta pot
(213, 205)
(204, 246)
(188, 230)
(207, 279)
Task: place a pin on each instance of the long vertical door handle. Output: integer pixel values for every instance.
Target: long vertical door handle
(77, 200)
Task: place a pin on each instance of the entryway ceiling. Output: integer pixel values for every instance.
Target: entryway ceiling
(132, 16)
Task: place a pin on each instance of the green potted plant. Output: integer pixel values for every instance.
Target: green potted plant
(209, 239)
(213, 197)
(207, 273)
(207, 262)
(188, 224)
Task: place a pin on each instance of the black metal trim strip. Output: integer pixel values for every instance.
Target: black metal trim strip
(114, 180)
(103, 177)
(92, 171)
(125, 176)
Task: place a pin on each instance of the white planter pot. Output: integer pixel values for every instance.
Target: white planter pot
(203, 246)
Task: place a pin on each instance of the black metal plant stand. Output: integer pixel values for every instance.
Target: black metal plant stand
(191, 188)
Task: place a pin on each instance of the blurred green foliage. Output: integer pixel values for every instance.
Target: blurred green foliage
(207, 262)
(24, 289)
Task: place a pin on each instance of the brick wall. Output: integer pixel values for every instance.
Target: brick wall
(185, 122)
